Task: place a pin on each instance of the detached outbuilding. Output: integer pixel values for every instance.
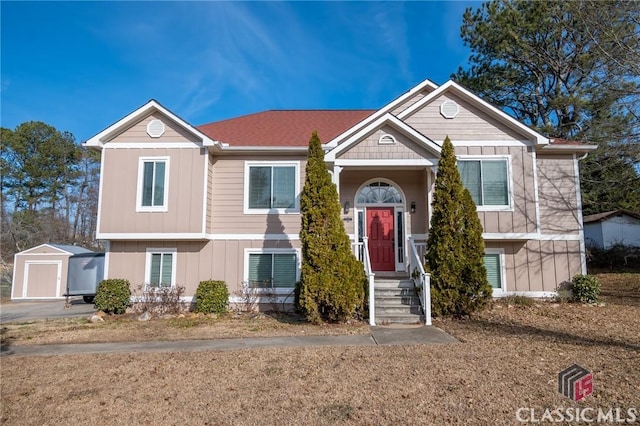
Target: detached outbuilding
(604, 230)
(41, 272)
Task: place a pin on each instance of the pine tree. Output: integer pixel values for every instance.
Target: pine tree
(332, 279)
(455, 247)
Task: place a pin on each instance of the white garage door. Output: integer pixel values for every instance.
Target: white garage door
(42, 279)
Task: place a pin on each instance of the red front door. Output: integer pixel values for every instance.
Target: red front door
(381, 238)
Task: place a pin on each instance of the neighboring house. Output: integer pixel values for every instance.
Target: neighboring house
(604, 230)
(181, 203)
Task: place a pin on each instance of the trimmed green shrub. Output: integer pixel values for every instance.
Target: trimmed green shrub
(113, 296)
(212, 296)
(585, 288)
(332, 281)
(455, 247)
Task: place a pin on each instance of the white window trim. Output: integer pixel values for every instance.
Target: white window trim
(498, 292)
(507, 158)
(296, 207)
(147, 265)
(165, 206)
(281, 290)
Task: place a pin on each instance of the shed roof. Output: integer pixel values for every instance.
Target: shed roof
(599, 217)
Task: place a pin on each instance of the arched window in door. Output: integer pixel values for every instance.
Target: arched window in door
(379, 193)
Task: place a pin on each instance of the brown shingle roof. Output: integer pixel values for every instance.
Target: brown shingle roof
(283, 127)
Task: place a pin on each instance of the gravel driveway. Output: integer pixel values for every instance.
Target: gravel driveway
(30, 310)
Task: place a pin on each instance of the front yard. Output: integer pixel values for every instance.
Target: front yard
(508, 359)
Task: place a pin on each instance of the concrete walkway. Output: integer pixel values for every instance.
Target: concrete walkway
(381, 336)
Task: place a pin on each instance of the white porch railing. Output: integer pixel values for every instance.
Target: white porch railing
(421, 280)
(361, 250)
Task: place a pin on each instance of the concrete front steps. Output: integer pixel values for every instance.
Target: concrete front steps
(396, 301)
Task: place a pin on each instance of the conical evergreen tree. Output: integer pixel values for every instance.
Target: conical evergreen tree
(455, 247)
(332, 279)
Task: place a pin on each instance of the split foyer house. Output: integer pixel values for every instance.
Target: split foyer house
(182, 203)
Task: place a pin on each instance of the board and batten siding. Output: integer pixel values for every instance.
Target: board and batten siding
(471, 124)
(557, 185)
(538, 266)
(137, 133)
(195, 260)
(522, 218)
(370, 148)
(120, 187)
(227, 203)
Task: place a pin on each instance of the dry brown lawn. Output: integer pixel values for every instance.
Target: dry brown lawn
(508, 358)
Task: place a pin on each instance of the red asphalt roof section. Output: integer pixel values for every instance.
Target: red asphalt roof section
(283, 127)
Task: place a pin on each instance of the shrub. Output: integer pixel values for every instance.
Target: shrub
(212, 296)
(585, 288)
(518, 300)
(113, 296)
(455, 247)
(332, 280)
(160, 300)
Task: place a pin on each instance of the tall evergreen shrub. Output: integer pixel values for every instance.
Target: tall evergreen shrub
(455, 247)
(332, 282)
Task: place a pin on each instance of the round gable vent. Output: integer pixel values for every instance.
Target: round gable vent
(155, 128)
(449, 109)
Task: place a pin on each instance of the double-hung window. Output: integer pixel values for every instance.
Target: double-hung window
(272, 269)
(153, 181)
(271, 187)
(160, 268)
(488, 181)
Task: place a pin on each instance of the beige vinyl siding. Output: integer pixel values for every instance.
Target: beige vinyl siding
(536, 266)
(120, 186)
(412, 183)
(210, 184)
(557, 192)
(228, 199)
(369, 148)
(195, 260)
(412, 100)
(138, 132)
(470, 124)
(522, 218)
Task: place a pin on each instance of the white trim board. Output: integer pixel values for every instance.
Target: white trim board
(153, 145)
(385, 120)
(382, 111)
(482, 104)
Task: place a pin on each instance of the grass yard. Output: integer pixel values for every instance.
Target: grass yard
(508, 358)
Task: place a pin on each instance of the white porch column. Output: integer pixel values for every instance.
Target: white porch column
(336, 177)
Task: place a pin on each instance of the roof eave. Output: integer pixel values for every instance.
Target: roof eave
(566, 149)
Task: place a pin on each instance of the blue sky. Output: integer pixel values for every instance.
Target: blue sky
(80, 66)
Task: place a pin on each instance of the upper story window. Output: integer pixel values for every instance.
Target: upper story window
(271, 187)
(153, 184)
(488, 182)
